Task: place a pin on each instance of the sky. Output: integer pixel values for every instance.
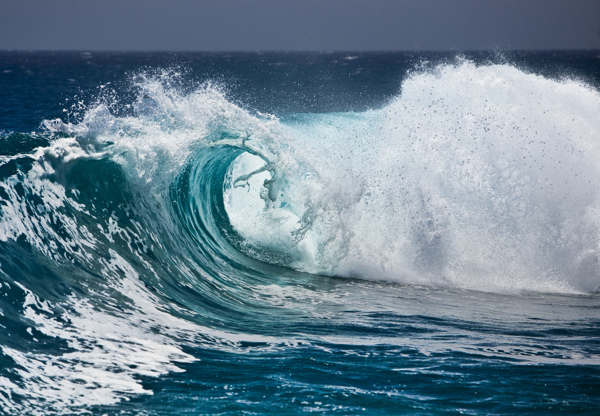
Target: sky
(299, 25)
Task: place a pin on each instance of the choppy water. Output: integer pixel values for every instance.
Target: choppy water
(297, 233)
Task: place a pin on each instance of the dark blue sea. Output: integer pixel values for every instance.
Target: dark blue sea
(299, 233)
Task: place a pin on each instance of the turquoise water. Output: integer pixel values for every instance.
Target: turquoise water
(299, 233)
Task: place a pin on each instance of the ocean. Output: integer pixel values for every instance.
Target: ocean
(297, 233)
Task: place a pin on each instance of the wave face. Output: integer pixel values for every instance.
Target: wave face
(160, 227)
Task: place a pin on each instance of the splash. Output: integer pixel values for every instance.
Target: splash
(479, 177)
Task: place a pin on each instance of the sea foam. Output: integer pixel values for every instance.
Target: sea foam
(480, 177)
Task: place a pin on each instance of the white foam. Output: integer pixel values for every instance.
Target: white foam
(109, 352)
(480, 177)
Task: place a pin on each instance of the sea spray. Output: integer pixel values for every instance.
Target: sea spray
(481, 177)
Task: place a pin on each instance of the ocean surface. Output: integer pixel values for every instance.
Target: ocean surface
(297, 233)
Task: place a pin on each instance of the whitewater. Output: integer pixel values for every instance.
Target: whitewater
(169, 245)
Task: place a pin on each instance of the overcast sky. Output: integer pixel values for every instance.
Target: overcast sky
(292, 25)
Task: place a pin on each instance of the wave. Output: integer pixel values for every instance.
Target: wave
(482, 177)
(176, 210)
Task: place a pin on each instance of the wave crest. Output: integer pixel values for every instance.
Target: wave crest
(480, 177)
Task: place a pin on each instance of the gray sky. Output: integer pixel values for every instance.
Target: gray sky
(292, 25)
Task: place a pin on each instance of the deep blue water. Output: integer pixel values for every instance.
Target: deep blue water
(339, 233)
